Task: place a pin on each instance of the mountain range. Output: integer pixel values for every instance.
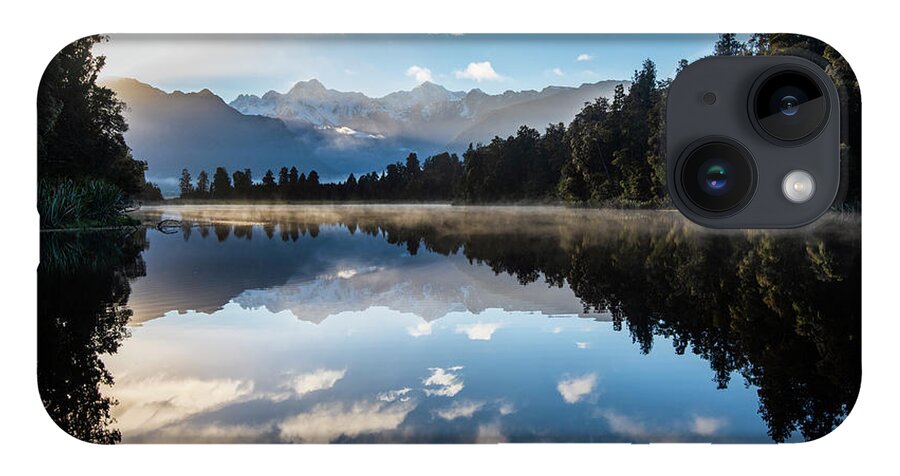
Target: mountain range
(334, 132)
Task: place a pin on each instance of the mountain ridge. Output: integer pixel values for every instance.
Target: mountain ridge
(334, 132)
(310, 103)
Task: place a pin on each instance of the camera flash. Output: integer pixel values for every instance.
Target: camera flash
(798, 186)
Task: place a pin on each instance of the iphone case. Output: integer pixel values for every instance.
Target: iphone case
(420, 238)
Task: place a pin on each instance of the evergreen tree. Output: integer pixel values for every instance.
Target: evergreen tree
(350, 186)
(184, 184)
(312, 185)
(243, 183)
(283, 179)
(591, 138)
(728, 45)
(300, 189)
(635, 173)
(294, 184)
(150, 192)
(269, 185)
(202, 184)
(221, 184)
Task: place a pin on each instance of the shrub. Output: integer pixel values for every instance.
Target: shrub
(65, 203)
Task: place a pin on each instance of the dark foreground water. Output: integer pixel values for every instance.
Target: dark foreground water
(440, 324)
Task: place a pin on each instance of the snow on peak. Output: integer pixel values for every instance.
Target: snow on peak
(425, 109)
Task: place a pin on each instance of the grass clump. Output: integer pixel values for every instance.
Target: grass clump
(89, 203)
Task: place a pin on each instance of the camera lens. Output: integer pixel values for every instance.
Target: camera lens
(789, 105)
(717, 176)
(714, 177)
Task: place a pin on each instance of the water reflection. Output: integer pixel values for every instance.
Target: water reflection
(374, 324)
(83, 283)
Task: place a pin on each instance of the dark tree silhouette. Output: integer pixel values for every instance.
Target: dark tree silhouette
(80, 124)
(184, 184)
(221, 184)
(83, 289)
(202, 184)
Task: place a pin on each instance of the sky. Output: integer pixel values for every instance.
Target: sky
(376, 65)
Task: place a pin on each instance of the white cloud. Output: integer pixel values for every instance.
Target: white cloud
(707, 426)
(574, 389)
(624, 425)
(582, 345)
(479, 331)
(321, 379)
(584, 57)
(490, 433)
(557, 72)
(479, 72)
(149, 404)
(507, 408)
(395, 395)
(443, 382)
(460, 410)
(193, 433)
(421, 73)
(325, 422)
(421, 329)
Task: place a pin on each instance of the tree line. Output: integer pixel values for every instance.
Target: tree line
(609, 154)
(435, 179)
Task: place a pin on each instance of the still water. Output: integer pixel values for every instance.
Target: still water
(447, 324)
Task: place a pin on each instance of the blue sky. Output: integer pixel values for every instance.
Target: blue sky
(380, 64)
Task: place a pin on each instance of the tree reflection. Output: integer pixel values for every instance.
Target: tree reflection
(83, 288)
(780, 309)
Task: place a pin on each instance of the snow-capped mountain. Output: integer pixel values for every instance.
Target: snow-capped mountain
(309, 102)
(429, 112)
(333, 132)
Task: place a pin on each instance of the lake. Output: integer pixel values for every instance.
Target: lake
(447, 324)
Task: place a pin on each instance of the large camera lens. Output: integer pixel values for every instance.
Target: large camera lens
(717, 176)
(789, 105)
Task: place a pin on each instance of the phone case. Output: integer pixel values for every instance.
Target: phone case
(420, 238)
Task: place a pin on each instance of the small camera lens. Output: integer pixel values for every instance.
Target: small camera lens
(789, 105)
(717, 176)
